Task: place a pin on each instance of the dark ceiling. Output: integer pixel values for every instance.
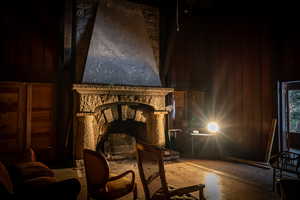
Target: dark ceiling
(221, 7)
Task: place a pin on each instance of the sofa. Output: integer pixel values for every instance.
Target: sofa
(30, 179)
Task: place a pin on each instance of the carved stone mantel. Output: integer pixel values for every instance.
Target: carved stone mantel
(90, 101)
(92, 96)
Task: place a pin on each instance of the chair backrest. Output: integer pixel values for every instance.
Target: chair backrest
(96, 169)
(151, 169)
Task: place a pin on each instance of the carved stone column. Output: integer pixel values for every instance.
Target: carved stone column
(158, 128)
(85, 136)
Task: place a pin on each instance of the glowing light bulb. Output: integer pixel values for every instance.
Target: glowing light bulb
(213, 127)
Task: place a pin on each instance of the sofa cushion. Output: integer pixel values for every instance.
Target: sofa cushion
(29, 170)
(24, 165)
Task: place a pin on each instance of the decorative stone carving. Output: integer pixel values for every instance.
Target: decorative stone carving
(139, 116)
(108, 115)
(93, 96)
(99, 117)
(128, 112)
(88, 102)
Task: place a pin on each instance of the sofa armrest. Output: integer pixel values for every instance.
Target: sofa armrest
(25, 171)
(67, 189)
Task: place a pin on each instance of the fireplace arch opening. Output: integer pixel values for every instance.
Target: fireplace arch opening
(120, 126)
(118, 142)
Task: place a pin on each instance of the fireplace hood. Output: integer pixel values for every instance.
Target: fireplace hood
(120, 50)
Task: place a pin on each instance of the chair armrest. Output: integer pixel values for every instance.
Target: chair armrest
(122, 175)
(188, 189)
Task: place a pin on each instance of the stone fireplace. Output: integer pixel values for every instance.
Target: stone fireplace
(120, 100)
(103, 110)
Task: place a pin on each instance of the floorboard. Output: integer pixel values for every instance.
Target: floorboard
(224, 180)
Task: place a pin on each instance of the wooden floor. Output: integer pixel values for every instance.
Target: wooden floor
(220, 184)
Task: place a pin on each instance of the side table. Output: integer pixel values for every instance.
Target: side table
(208, 142)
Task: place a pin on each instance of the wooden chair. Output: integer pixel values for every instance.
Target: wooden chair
(285, 164)
(152, 174)
(289, 189)
(101, 184)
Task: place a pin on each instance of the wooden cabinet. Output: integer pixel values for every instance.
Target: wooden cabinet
(27, 117)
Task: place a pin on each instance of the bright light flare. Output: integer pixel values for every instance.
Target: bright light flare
(213, 127)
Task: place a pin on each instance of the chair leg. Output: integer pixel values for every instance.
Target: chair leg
(201, 195)
(135, 192)
(274, 174)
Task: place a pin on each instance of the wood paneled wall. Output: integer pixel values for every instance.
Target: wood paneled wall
(31, 51)
(43, 110)
(236, 61)
(242, 93)
(288, 32)
(30, 40)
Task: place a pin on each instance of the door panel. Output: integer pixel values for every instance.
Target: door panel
(12, 119)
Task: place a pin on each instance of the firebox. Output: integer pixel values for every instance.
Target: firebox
(118, 137)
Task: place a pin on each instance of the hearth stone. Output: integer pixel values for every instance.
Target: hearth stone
(119, 146)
